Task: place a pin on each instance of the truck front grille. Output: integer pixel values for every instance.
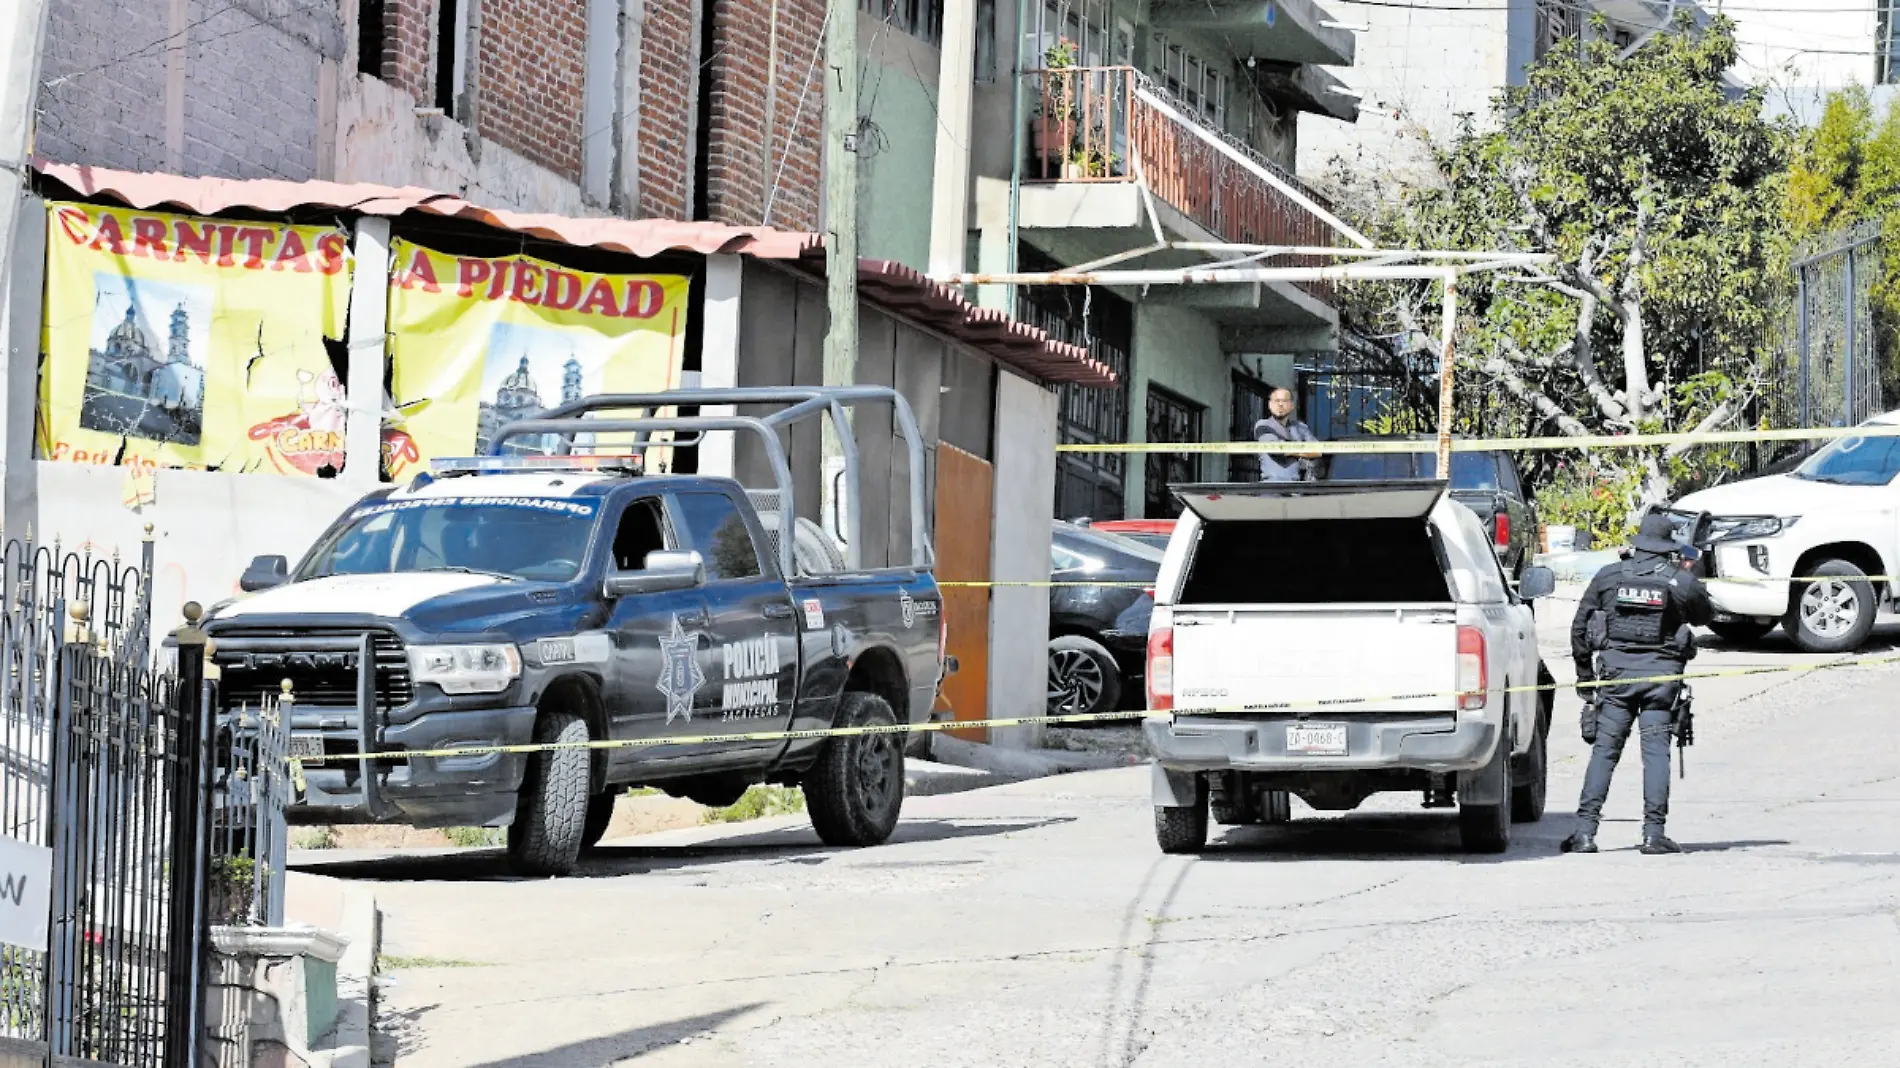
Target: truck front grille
(317, 679)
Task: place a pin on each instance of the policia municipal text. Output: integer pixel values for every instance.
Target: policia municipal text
(1634, 622)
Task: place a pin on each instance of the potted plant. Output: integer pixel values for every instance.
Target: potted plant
(1053, 129)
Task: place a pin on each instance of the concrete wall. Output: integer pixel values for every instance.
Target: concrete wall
(382, 139)
(896, 172)
(241, 97)
(1830, 46)
(1180, 350)
(1419, 69)
(1025, 472)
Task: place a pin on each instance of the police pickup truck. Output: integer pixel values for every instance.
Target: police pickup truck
(1335, 640)
(659, 629)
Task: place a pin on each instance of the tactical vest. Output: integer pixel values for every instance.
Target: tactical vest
(1641, 612)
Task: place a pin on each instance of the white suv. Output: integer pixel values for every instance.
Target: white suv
(1831, 522)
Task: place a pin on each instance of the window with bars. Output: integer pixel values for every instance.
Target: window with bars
(1099, 38)
(1557, 21)
(1197, 82)
(1171, 417)
(1887, 42)
(1087, 483)
(922, 19)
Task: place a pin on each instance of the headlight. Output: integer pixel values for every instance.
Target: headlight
(1766, 526)
(465, 668)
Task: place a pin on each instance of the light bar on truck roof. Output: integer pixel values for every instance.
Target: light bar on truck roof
(466, 465)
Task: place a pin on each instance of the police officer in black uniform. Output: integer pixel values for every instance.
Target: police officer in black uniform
(1633, 622)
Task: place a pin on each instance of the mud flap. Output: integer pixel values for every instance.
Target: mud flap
(1491, 784)
(1175, 789)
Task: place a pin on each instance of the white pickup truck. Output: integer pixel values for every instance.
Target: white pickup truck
(1336, 640)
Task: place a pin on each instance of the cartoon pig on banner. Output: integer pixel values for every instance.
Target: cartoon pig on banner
(311, 438)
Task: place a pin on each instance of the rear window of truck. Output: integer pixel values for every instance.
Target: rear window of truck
(1321, 561)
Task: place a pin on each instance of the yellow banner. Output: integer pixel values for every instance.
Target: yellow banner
(175, 341)
(478, 343)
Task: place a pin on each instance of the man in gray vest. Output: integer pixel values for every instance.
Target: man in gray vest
(1281, 426)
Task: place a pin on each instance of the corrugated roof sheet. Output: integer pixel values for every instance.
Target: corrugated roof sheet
(901, 288)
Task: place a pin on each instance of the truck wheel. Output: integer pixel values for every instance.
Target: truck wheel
(1487, 828)
(1532, 782)
(1527, 797)
(1742, 631)
(1834, 613)
(551, 816)
(1183, 830)
(1083, 678)
(856, 788)
(600, 813)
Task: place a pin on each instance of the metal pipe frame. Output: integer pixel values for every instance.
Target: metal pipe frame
(1216, 275)
(804, 402)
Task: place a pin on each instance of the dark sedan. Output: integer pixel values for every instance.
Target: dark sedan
(1098, 645)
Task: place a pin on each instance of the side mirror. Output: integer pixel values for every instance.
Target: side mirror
(264, 573)
(1537, 582)
(665, 569)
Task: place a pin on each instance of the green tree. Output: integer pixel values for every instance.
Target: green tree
(1660, 197)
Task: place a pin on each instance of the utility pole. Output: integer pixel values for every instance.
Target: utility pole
(22, 32)
(841, 244)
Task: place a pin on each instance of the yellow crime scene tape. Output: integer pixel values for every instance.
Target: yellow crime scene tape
(1117, 583)
(1429, 444)
(1072, 718)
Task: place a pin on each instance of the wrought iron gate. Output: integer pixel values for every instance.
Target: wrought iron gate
(1825, 369)
(103, 763)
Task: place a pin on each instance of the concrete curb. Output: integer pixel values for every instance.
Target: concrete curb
(924, 778)
(356, 977)
(1023, 763)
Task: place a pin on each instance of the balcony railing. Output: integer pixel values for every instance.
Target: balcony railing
(1111, 124)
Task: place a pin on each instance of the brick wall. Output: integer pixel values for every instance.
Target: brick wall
(668, 103)
(743, 165)
(247, 69)
(409, 47)
(529, 76)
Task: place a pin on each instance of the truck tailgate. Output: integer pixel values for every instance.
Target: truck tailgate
(1226, 657)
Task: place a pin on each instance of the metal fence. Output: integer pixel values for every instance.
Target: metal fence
(254, 781)
(102, 761)
(1821, 366)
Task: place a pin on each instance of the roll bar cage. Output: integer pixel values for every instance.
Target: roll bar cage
(800, 403)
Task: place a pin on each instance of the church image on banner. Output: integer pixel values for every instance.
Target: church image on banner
(133, 385)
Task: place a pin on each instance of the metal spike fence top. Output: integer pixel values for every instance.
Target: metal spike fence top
(99, 759)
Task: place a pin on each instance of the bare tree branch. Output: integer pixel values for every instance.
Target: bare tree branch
(1638, 398)
(1549, 410)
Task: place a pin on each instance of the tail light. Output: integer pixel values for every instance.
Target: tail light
(1161, 668)
(1502, 534)
(1473, 679)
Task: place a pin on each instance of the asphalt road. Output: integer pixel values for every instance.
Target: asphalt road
(1035, 924)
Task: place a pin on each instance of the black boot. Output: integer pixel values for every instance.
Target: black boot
(1580, 842)
(1657, 845)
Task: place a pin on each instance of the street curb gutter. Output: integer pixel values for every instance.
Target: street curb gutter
(356, 977)
(1022, 763)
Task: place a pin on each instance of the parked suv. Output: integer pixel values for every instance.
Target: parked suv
(1098, 635)
(1485, 482)
(1830, 521)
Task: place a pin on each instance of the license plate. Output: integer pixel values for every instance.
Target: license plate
(1328, 739)
(307, 746)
